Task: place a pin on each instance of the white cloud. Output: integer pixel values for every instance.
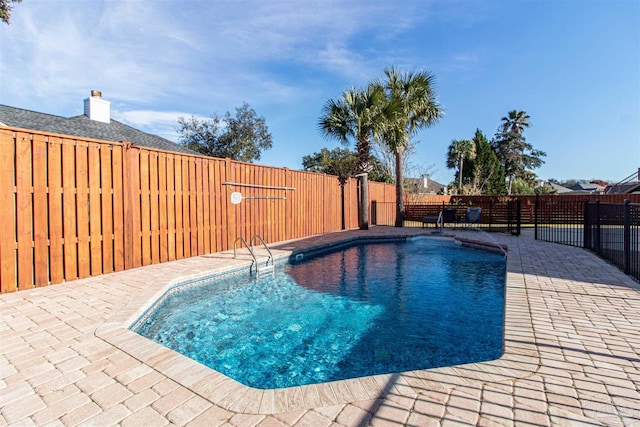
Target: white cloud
(60, 49)
(192, 56)
(150, 118)
(162, 123)
(340, 59)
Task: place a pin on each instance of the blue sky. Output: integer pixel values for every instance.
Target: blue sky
(573, 66)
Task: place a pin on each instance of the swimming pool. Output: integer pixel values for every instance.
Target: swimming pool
(363, 310)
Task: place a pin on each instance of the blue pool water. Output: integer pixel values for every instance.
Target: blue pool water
(369, 309)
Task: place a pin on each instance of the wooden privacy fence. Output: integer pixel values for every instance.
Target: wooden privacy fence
(72, 207)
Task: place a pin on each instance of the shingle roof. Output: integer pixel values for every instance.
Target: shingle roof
(559, 188)
(587, 186)
(626, 188)
(82, 126)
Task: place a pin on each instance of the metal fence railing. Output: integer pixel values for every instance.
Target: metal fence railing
(559, 221)
(495, 216)
(611, 230)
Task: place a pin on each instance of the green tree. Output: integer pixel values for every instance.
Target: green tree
(485, 172)
(343, 163)
(515, 154)
(411, 106)
(521, 187)
(241, 137)
(5, 10)
(356, 116)
(545, 188)
(201, 135)
(460, 149)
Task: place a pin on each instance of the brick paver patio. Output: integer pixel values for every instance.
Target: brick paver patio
(572, 356)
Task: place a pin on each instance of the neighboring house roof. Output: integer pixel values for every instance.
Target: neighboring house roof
(600, 182)
(626, 188)
(629, 185)
(590, 187)
(559, 188)
(83, 126)
(416, 185)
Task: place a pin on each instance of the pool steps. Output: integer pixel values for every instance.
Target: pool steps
(266, 268)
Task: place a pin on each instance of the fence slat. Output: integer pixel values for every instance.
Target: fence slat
(230, 226)
(186, 212)
(221, 209)
(171, 209)
(119, 214)
(153, 206)
(40, 212)
(69, 209)
(54, 175)
(24, 210)
(8, 281)
(206, 204)
(95, 211)
(162, 207)
(131, 202)
(82, 206)
(145, 208)
(199, 189)
(179, 203)
(106, 203)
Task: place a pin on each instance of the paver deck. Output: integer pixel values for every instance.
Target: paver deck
(572, 355)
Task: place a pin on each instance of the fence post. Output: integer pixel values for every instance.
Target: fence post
(597, 216)
(535, 217)
(518, 216)
(490, 213)
(343, 182)
(627, 237)
(586, 233)
(374, 212)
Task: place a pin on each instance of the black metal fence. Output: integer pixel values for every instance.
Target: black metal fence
(559, 221)
(611, 230)
(495, 216)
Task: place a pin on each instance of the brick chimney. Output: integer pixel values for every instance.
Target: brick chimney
(97, 108)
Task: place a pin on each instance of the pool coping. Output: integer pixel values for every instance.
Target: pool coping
(519, 360)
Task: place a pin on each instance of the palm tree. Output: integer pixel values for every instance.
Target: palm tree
(460, 149)
(515, 154)
(515, 122)
(357, 116)
(411, 105)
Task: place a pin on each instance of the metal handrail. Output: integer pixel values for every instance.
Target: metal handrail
(241, 239)
(266, 247)
(268, 187)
